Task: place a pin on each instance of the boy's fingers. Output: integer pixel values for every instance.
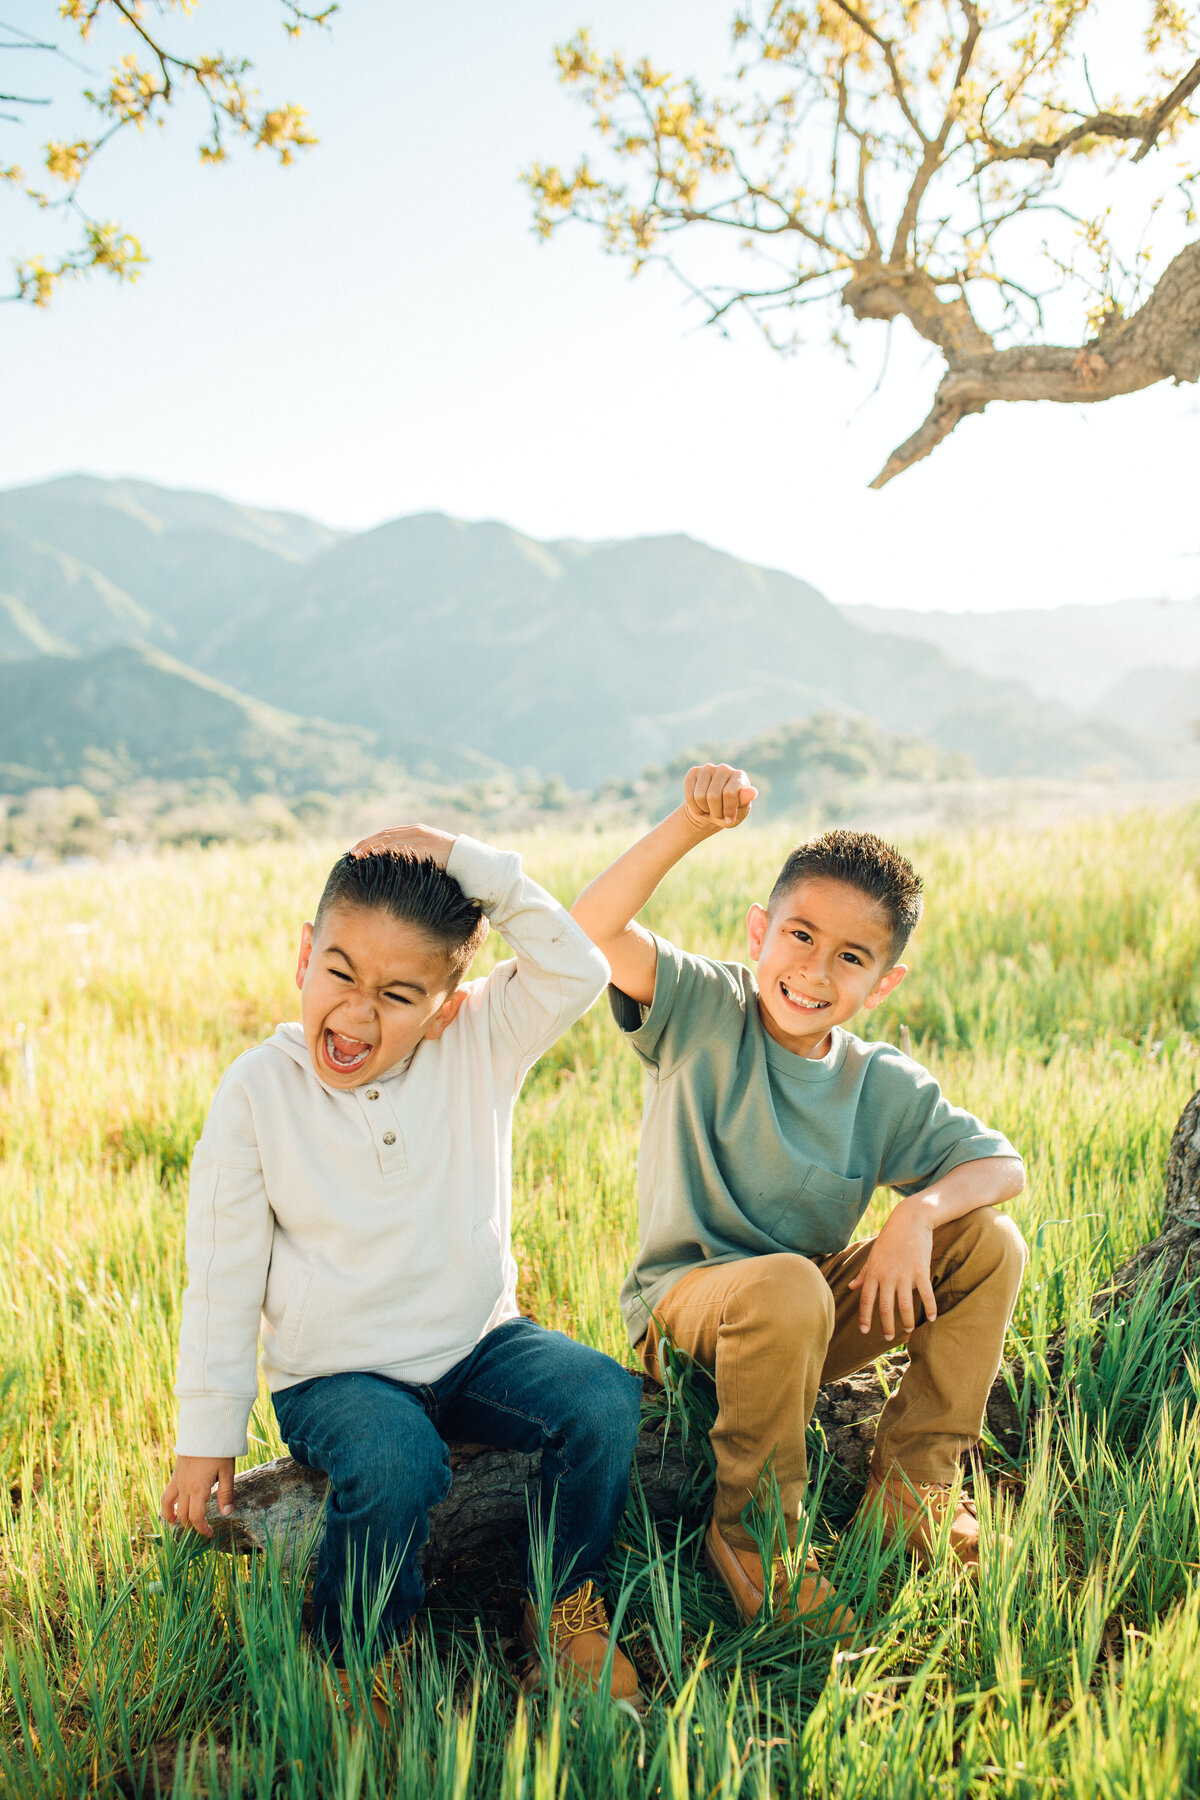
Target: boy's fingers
(699, 780)
(887, 1317)
(908, 1317)
(733, 787)
(866, 1301)
(225, 1491)
(378, 840)
(925, 1289)
(197, 1507)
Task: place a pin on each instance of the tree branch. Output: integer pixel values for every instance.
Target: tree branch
(888, 49)
(881, 291)
(935, 148)
(1159, 342)
(1145, 126)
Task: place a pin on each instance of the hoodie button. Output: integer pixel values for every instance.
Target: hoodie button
(389, 1137)
(372, 1093)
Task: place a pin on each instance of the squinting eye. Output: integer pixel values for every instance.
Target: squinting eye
(399, 999)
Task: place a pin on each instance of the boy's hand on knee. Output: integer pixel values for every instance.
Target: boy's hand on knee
(422, 840)
(187, 1494)
(896, 1271)
(717, 797)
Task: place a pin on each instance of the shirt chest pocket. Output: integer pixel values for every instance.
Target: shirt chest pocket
(819, 1215)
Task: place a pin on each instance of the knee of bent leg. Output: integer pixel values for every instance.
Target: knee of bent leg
(1000, 1239)
(608, 1405)
(375, 1475)
(789, 1291)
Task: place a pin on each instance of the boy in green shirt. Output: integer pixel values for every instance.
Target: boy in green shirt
(767, 1128)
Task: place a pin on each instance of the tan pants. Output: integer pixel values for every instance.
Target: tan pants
(773, 1328)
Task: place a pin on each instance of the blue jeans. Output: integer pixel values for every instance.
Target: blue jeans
(383, 1445)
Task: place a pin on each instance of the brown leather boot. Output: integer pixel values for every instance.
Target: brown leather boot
(917, 1512)
(813, 1602)
(387, 1684)
(578, 1631)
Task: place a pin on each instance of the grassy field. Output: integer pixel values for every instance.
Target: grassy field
(1055, 990)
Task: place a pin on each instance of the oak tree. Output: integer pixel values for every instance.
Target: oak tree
(934, 161)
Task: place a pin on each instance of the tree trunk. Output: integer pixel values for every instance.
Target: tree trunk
(283, 1503)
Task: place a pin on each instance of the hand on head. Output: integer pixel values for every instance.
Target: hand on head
(717, 797)
(422, 840)
(187, 1494)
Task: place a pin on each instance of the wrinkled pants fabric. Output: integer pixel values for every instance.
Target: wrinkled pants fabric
(772, 1329)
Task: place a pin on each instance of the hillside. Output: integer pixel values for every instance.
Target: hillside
(815, 769)
(1164, 700)
(86, 563)
(126, 712)
(1072, 654)
(588, 661)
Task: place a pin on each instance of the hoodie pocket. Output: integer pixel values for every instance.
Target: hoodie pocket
(292, 1322)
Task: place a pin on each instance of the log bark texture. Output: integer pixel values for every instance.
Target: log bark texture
(282, 1503)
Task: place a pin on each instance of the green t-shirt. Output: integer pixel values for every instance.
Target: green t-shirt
(748, 1148)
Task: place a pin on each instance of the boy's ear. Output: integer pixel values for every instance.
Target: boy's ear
(303, 960)
(887, 984)
(757, 920)
(445, 1015)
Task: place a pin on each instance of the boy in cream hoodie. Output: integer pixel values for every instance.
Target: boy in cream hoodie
(351, 1199)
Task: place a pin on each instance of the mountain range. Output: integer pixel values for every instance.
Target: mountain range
(1129, 660)
(151, 630)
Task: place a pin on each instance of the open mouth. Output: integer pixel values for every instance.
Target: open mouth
(345, 1053)
(801, 1001)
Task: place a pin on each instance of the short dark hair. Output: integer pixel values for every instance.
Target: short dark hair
(415, 890)
(865, 862)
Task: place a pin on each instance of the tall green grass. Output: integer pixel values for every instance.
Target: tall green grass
(1054, 989)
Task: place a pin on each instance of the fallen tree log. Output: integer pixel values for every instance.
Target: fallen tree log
(282, 1502)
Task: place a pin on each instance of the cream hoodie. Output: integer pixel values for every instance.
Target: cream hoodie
(369, 1227)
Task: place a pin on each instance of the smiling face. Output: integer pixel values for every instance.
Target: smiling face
(823, 953)
(371, 987)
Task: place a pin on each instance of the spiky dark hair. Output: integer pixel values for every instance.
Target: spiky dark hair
(865, 862)
(415, 890)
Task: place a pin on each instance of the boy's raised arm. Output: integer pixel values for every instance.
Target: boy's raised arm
(716, 797)
(557, 972)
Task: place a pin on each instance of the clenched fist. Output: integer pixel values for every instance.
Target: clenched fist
(717, 797)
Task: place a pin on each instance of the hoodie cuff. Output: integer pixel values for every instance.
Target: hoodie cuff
(485, 875)
(213, 1425)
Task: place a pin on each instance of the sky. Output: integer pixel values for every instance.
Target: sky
(377, 331)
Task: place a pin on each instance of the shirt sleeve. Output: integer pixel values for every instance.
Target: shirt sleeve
(693, 997)
(229, 1232)
(557, 972)
(933, 1137)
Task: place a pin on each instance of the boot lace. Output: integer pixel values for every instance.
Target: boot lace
(938, 1491)
(580, 1612)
